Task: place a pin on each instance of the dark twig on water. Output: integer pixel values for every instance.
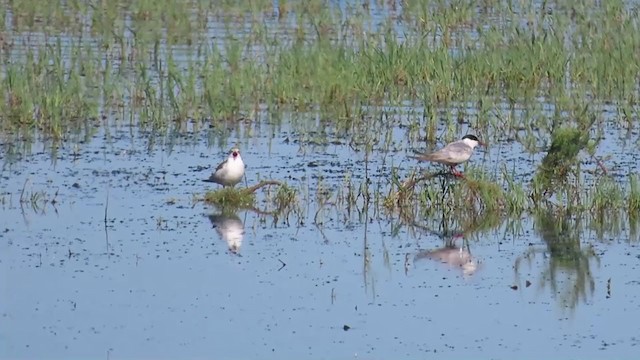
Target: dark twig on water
(283, 265)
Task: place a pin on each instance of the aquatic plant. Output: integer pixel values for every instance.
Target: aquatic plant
(279, 203)
(323, 59)
(230, 197)
(566, 143)
(420, 71)
(633, 197)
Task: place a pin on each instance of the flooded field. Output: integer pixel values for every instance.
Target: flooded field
(108, 249)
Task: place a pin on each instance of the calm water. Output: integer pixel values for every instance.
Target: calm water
(125, 265)
(170, 278)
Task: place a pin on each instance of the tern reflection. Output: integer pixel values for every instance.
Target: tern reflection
(455, 231)
(456, 257)
(230, 228)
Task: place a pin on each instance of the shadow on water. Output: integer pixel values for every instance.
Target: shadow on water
(566, 271)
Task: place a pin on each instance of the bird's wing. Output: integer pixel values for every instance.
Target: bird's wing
(458, 149)
(450, 154)
(221, 165)
(215, 175)
(439, 156)
(423, 156)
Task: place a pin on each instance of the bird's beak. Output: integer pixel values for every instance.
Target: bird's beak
(235, 154)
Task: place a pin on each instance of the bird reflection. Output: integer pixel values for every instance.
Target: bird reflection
(230, 228)
(454, 232)
(453, 256)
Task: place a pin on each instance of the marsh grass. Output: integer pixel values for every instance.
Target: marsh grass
(279, 203)
(440, 191)
(605, 201)
(230, 197)
(510, 69)
(460, 53)
(633, 196)
(561, 159)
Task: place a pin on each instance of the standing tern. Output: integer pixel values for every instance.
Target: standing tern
(230, 171)
(453, 154)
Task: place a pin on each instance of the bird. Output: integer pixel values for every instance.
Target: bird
(230, 171)
(453, 154)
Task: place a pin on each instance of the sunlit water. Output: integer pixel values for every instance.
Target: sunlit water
(125, 265)
(167, 277)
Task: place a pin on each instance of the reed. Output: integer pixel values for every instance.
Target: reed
(421, 70)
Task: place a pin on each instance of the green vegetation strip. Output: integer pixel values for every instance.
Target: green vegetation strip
(523, 70)
(69, 61)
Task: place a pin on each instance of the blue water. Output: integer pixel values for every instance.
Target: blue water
(115, 258)
(160, 281)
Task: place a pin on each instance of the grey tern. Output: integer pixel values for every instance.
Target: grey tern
(453, 154)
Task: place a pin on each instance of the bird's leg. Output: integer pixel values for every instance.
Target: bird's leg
(455, 172)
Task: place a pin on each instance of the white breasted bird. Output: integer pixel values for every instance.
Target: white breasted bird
(453, 154)
(230, 171)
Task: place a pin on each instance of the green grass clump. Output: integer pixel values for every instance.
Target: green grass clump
(633, 198)
(230, 197)
(516, 198)
(566, 143)
(560, 160)
(481, 194)
(473, 193)
(53, 93)
(606, 195)
(283, 200)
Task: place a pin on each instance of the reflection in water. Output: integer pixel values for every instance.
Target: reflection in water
(230, 228)
(454, 227)
(568, 272)
(455, 257)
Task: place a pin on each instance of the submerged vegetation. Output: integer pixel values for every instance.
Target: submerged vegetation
(378, 76)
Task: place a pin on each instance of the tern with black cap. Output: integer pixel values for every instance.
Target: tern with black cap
(453, 154)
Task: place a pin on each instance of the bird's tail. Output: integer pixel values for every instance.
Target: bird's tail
(420, 156)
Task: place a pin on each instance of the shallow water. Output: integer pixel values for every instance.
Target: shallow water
(120, 262)
(160, 280)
